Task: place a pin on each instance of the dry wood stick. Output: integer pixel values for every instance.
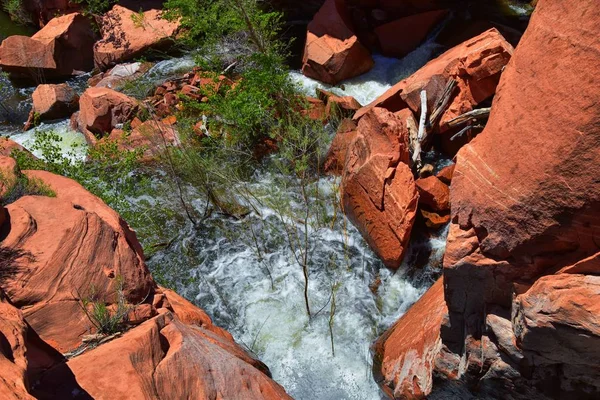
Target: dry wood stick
(479, 113)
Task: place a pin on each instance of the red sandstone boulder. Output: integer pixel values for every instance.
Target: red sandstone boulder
(126, 35)
(400, 37)
(445, 174)
(525, 200)
(14, 384)
(62, 48)
(101, 109)
(70, 244)
(152, 136)
(335, 160)
(378, 190)
(163, 359)
(476, 65)
(333, 52)
(53, 102)
(433, 193)
(557, 321)
(406, 353)
(338, 106)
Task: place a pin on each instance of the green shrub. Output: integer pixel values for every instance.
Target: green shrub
(107, 321)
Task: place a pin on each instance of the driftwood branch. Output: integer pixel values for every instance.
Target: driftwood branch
(480, 113)
(421, 135)
(442, 103)
(465, 129)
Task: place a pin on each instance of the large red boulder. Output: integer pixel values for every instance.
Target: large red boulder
(52, 102)
(525, 198)
(101, 110)
(333, 52)
(127, 34)
(433, 193)
(406, 353)
(476, 65)
(163, 358)
(378, 190)
(400, 37)
(70, 245)
(62, 48)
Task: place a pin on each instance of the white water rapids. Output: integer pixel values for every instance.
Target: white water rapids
(258, 294)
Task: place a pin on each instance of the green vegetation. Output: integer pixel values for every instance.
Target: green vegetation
(21, 186)
(95, 7)
(16, 11)
(107, 320)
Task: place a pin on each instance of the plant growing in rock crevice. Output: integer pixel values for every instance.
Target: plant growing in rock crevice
(105, 319)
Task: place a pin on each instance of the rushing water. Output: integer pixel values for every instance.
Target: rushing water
(243, 273)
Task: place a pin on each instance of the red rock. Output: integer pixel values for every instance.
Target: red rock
(446, 173)
(14, 384)
(525, 198)
(378, 191)
(124, 37)
(7, 146)
(433, 193)
(192, 315)
(53, 102)
(315, 109)
(164, 358)
(557, 321)
(8, 175)
(101, 109)
(152, 136)
(475, 64)
(70, 243)
(405, 354)
(400, 37)
(338, 106)
(434, 220)
(140, 313)
(335, 160)
(60, 49)
(333, 52)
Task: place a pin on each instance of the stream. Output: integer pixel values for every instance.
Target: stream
(243, 274)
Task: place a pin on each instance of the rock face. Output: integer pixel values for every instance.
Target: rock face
(378, 190)
(70, 243)
(557, 321)
(404, 354)
(13, 360)
(476, 65)
(542, 215)
(333, 52)
(127, 34)
(101, 109)
(433, 193)
(53, 102)
(62, 48)
(53, 251)
(400, 37)
(521, 265)
(43, 11)
(172, 360)
(335, 160)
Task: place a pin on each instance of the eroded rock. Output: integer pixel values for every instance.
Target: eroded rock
(333, 52)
